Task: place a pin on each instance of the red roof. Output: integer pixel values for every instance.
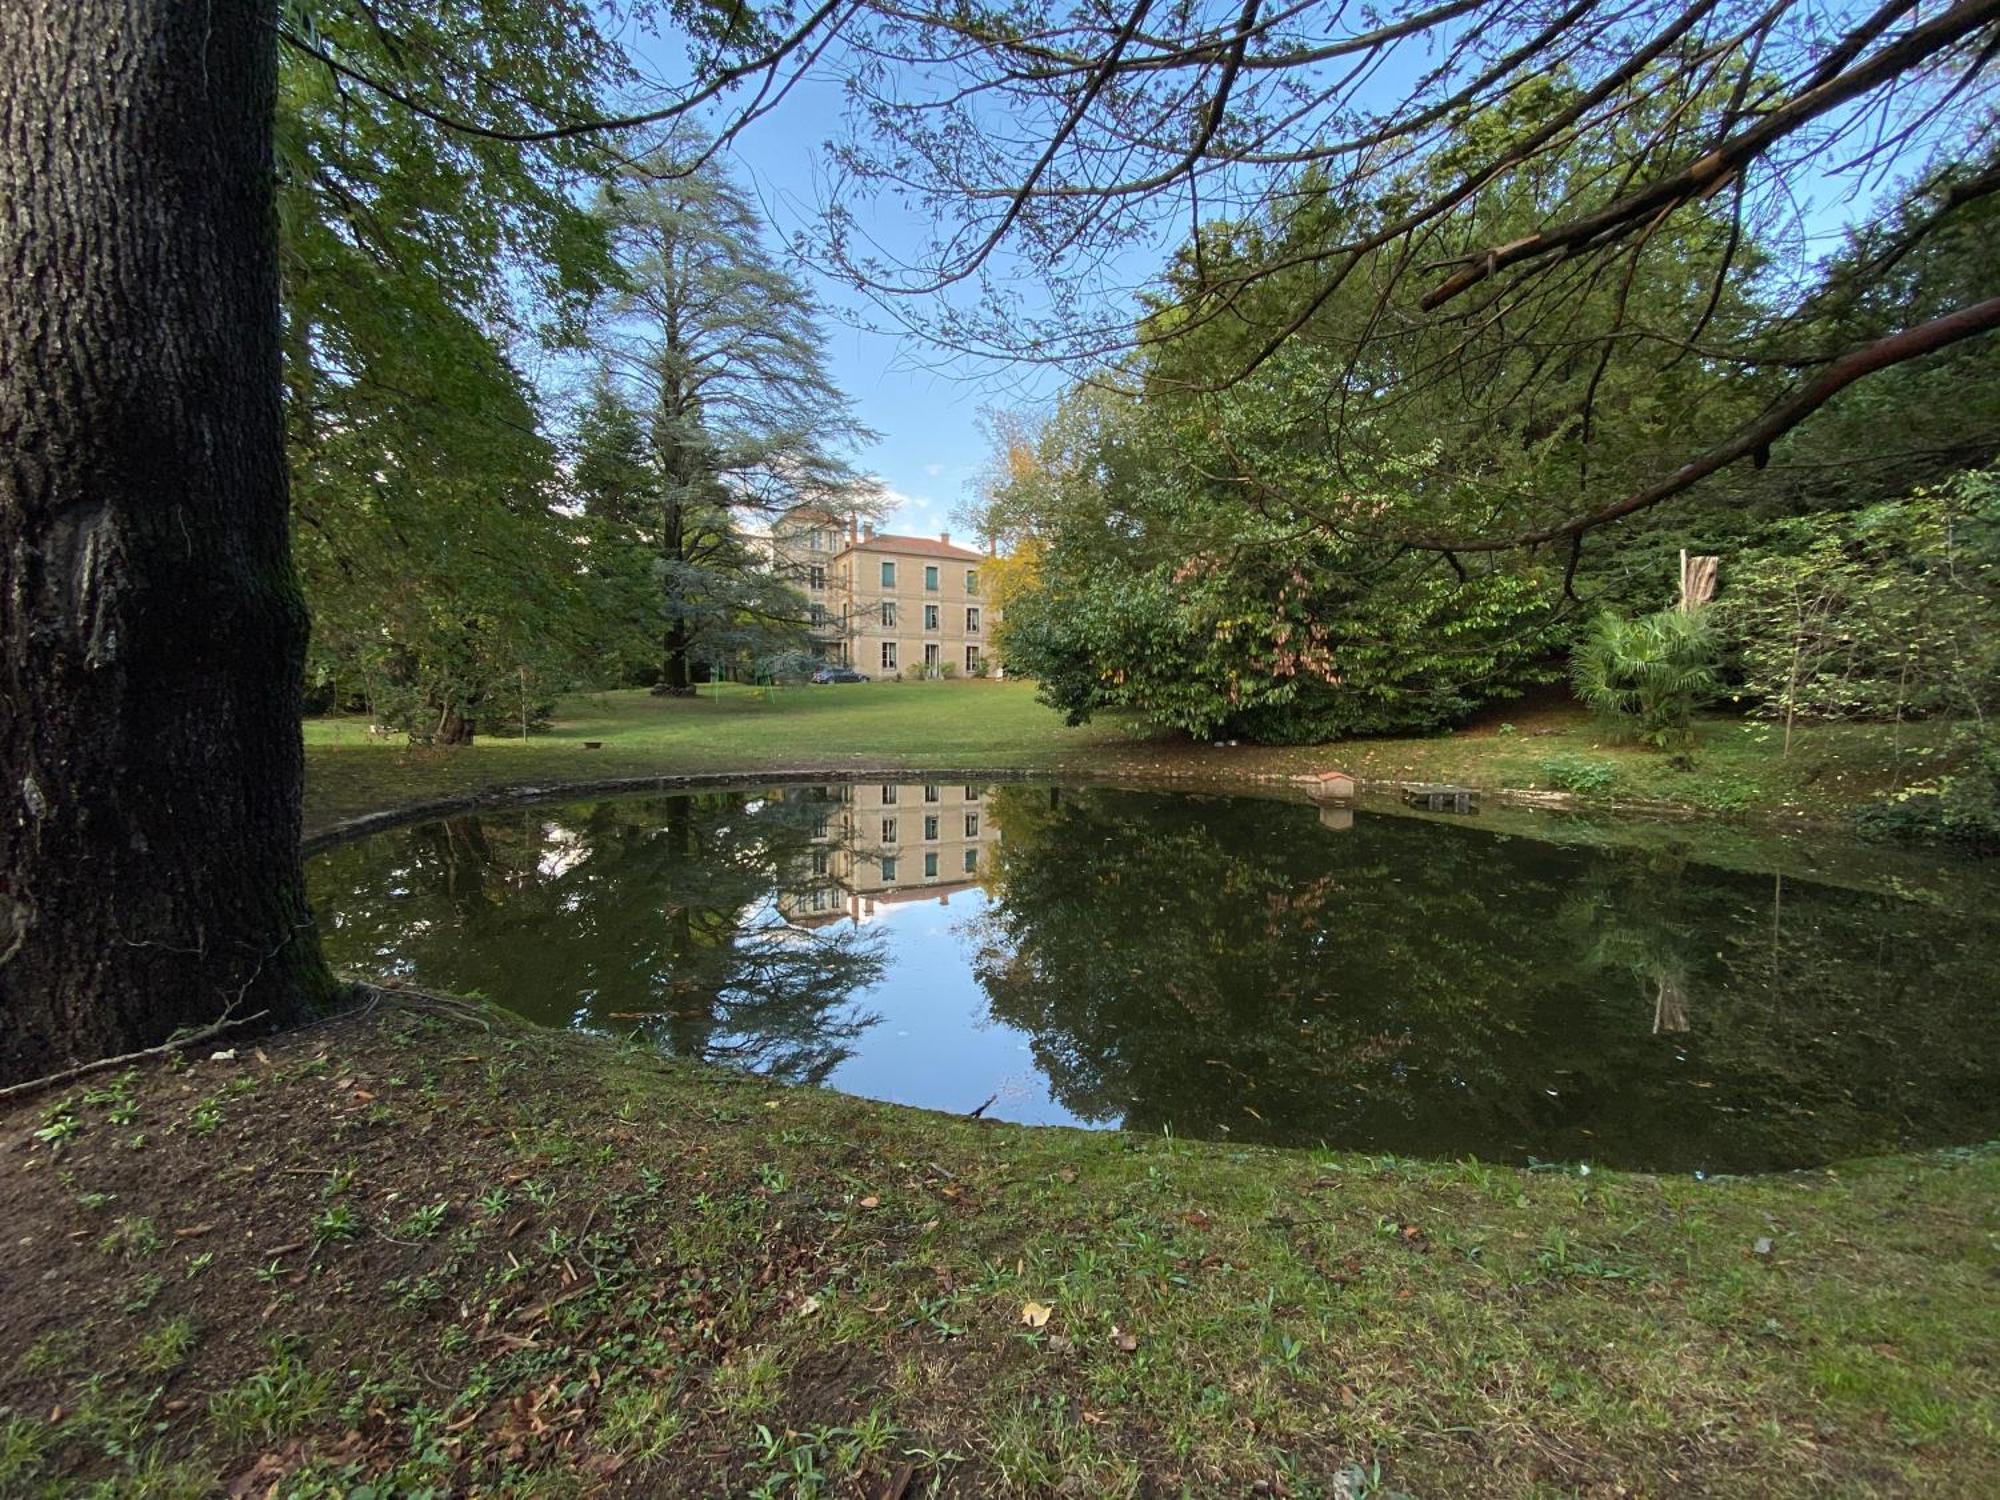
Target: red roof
(923, 546)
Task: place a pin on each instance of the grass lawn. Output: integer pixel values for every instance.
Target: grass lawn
(1000, 726)
(428, 1250)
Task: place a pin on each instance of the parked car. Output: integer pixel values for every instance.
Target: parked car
(838, 674)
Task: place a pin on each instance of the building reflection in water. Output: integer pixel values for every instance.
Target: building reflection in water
(879, 844)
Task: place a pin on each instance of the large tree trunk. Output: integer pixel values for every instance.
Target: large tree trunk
(151, 629)
(677, 643)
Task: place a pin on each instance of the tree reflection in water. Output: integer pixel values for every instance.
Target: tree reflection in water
(1221, 967)
(664, 914)
(1226, 966)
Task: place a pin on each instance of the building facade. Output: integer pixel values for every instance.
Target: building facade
(888, 605)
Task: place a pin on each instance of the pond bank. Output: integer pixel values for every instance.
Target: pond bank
(998, 727)
(425, 1244)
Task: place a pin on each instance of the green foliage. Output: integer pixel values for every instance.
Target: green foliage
(1569, 772)
(712, 411)
(1648, 676)
(1960, 807)
(1890, 611)
(418, 263)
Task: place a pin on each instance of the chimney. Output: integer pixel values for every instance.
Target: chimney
(868, 531)
(945, 537)
(853, 527)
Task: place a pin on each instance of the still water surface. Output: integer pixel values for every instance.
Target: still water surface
(1224, 967)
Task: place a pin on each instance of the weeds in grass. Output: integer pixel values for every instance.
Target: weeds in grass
(339, 1222)
(423, 1223)
(166, 1347)
(280, 1399)
(132, 1239)
(24, 1445)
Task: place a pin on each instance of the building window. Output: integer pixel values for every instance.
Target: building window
(888, 575)
(930, 866)
(819, 861)
(819, 617)
(931, 827)
(972, 794)
(820, 822)
(972, 580)
(972, 825)
(930, 617)
(888, 830)
(888, 656)
(933, 794)
(972, 861)
(930, 579)
(971, 661)
(816, 576)
(972, 622)
(888, 796)
(888, 614)
(819, 899)
(888, 867)
(931, 655)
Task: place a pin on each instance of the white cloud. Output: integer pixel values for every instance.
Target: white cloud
(933, 470)
(905, 509)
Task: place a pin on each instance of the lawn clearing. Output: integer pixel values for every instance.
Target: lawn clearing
(988, 725)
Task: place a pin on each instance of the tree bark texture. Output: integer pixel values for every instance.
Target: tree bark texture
(151, 627)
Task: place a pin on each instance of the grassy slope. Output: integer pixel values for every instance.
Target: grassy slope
(436, 1250)
(994, 725)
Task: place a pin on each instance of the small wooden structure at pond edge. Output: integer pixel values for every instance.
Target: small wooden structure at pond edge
(1435, 798)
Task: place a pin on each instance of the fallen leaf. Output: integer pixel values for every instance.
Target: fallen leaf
(871, 1201)
(808, 1307)
(1058, 1344)
(228, 1055)
(1762, 1247)
(1036, 1314)
(1123, 1342)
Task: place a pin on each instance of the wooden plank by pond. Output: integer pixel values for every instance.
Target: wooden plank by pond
(1436, 798)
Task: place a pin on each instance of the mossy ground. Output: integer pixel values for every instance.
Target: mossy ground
(428, 1250)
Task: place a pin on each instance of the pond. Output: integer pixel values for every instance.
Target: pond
(1234, 968)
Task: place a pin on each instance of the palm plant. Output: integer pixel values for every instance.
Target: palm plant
(1647, 676)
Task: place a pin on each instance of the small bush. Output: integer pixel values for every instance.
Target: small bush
(1579, 774)
(1960, 808)
(1648, 676)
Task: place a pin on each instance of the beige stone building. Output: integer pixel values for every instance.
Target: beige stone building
(886, 604)
(879, 844)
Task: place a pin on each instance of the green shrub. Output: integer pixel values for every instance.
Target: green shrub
(1960, 808)
(1568, 772)
(1647, 676)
